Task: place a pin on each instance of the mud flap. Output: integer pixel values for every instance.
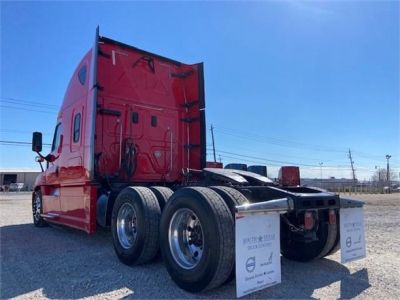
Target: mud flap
(352, 234)
(258, 253)
(257, 246)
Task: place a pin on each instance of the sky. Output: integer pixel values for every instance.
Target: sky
(287, 82)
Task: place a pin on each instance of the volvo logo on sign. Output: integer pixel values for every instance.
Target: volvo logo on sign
(348, 242)
(250, 264)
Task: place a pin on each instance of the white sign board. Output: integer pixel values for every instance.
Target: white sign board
(258, 261)
(352, 234)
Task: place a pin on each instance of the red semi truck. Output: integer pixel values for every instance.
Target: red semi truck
(129, 152)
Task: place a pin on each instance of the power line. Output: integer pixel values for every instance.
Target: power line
(326, 168)
(285, 155)
(287, 143)
(246, 160)
(20, 131)
(26, 104)
(15, 145)
(265, 159)
(277, 141)
(264, 141)
(9, 99)
(27, 109)
(222, 129)
(20, 143)
(274, 162)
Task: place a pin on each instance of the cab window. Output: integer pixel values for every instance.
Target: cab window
(77, 127)
(56, 138)
(82, 75)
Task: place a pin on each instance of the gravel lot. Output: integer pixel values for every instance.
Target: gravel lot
(57, 262)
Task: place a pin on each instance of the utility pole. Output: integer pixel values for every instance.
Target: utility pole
(220, 158)
(212, 136)
(320, 170)
(352, 168)
(387, 170)
(378, 184)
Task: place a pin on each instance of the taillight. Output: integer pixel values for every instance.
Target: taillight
(308, 220)
(332, 217)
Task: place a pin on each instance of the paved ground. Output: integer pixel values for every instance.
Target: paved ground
(57, 262)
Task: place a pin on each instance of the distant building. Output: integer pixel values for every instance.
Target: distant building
(27, 177)
(328, 183)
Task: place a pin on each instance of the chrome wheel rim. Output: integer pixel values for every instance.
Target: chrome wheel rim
(37, 208)
(126, 225)
(185, 238)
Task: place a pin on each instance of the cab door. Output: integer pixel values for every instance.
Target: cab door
(51, 193)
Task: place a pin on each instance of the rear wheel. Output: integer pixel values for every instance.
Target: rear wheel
(336, 245)
(197, 239)
(295, 246)
(37, 210)
(162, 193)
(135, 225)
(232, 198)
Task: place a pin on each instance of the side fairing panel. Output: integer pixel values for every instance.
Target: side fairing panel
(150, 116)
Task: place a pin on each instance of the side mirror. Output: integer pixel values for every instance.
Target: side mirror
(37, 142)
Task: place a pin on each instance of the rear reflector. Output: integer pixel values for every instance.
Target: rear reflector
(332, 217)
(308, 220)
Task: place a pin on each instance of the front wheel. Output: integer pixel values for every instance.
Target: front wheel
(37, 210)
(197, 239)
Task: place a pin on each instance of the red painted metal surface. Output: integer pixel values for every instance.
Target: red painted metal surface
(147, 126)
(142, 110)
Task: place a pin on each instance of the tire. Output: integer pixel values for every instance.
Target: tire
(209, 257)
(232, 198)
(37, 210)
(330, 241)
(135, 225)
(336, 245)
(299, 249)
(163, 194)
